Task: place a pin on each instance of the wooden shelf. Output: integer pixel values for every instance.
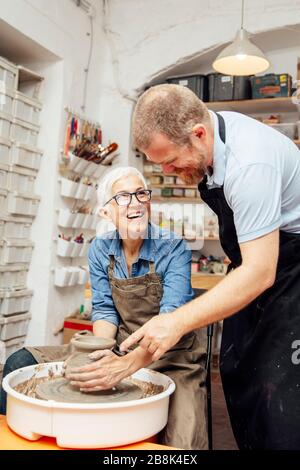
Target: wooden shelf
(184, 186)
(215, 239)
(176, 199)
(148, 175)
(264, 105)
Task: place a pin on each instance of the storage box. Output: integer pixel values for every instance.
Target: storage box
(271, 85)
(72, 325)
(15, 251)
(156, 192)
(25, 156)
(71, 249)
(169, 179)
(13, 277)
(70, 276)
(29, 82)
(8, 74)
(228, 87)
(197, 83)
(14, 227)
(190, 193)
(13, 345)
(178, 192)
(22, 204)
(5, 125)
(16, 178)
(6, 100)
(15, 302)
(83, 167)
(156, 179)
(4, 176)
(14, 326)
(5, 146)
(24, 132)
(287, 128)
(167, 192)
(148, 168)
(27, 109)
(76, 190)
(3, 197)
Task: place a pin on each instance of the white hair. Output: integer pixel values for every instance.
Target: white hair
(104, 191)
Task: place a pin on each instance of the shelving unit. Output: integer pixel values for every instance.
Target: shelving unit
(20, 108)
(76, 214)
(266, 105)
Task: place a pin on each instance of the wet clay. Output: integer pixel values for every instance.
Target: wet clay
(60, 390)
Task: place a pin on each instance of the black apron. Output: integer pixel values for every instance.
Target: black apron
(260, 381)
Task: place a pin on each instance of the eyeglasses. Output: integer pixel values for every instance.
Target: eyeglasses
(124, 199)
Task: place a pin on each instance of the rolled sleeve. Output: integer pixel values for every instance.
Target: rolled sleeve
(177, 289)
(254, 195)
(103, 307)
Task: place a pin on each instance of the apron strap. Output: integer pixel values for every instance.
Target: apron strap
(151, 267)
(222, 131)
(111, 266)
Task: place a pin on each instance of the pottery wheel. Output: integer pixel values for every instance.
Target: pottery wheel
(61, 390)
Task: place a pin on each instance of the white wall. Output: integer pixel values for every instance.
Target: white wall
(50, 37)
(155, 39)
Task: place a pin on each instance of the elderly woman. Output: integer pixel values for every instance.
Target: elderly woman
(138, 271)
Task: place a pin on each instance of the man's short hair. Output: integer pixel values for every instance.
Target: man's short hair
(172, 110)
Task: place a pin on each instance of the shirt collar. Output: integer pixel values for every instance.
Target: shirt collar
(148, 248)
(219, 163)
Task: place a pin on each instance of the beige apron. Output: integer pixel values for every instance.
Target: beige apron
(137, 300)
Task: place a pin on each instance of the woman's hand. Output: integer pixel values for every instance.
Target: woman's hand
(106, 372)
(157, 336)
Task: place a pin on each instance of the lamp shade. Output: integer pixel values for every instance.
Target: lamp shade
(241, 57)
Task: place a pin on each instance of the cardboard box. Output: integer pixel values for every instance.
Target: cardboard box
(73, 324)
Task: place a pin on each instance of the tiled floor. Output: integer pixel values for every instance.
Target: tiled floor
(223, 438)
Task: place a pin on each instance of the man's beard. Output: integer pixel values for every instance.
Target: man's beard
(191, 175)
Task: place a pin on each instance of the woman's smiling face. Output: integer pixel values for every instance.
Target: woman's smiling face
(130, 220)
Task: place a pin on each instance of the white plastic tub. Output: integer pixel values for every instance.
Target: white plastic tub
(71, 249)
(14, 227)
(25, 156)
(13, 277)
(8, 74)
(15, 302)
(24, 132)
(83, 167)
(22, 204)
(5, 146)
(5, 125)
(83, 276)
(21, 179)
(14, 251)
(14, 326)
(65, 218)
(26, 108)
(86, 426)
(6, 101)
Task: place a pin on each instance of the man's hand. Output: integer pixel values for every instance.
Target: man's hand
(106, 372)
(157, 336)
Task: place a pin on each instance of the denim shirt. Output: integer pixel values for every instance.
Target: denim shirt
(172, 260)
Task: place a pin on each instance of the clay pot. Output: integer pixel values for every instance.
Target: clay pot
(85, 345)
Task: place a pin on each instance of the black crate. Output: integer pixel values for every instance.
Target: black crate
(197, 83)
(228, 87)
(271, 85)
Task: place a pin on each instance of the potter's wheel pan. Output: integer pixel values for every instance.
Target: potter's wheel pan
(86, 425)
